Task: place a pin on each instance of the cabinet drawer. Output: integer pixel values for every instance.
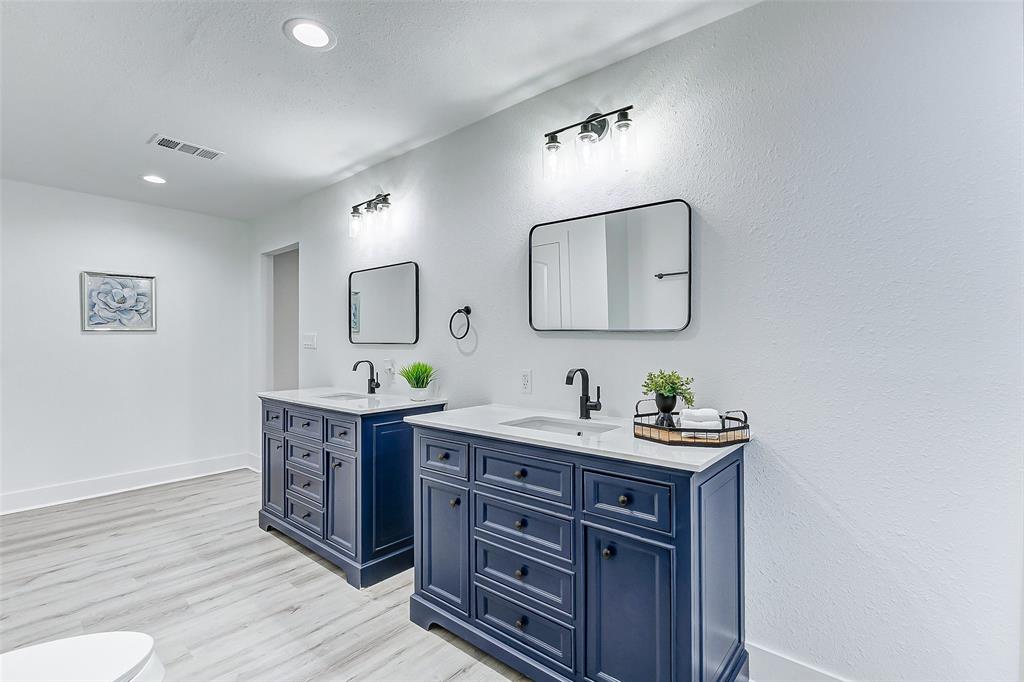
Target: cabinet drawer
(304, 514)
(524, 474)
(305, 455)
(624, 499)
(306, 485)
(307, 424)
(342, 433)
(447, 456)
(273, 417)
(526, 627)
(530, 527)
(526, 575)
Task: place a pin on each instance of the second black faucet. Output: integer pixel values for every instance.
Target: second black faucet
(586, 404)
(373, 383)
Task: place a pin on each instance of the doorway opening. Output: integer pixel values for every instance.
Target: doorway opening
(284, 318)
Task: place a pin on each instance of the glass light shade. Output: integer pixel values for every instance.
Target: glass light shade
(624, 136)
(552, 158)
(588, 150)
(355, 224)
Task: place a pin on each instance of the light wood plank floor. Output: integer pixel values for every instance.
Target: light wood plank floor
(186, 563)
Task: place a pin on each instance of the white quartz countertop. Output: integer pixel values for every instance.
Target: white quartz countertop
(617, 443)
(348, 401)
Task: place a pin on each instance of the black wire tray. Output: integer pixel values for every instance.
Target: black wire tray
(735, 429)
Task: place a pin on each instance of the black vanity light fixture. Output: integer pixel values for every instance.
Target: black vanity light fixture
(370, 213)
(590, 153)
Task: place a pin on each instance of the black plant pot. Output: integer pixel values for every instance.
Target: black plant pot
(665, 403)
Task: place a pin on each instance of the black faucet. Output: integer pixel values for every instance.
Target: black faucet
(373, 383)
(586, 404)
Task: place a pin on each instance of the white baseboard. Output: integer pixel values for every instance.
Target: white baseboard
(770, 666)
(46, 496)
(254, 463)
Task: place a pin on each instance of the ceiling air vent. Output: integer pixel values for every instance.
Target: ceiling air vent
(186, 147)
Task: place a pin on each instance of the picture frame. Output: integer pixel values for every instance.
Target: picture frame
(117, 302)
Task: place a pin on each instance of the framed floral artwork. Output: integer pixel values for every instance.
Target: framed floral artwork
(118, 303)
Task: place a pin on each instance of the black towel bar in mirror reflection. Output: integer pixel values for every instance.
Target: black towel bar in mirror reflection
(663, 275)
(465, 310)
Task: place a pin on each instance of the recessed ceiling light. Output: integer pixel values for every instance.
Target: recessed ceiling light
(155, 179)
(310, 34)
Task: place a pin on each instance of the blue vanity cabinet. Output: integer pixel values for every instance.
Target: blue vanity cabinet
(569, 566)
(341, 485)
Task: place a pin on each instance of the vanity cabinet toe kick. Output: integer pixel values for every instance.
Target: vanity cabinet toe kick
(568, 566)
(341, 485)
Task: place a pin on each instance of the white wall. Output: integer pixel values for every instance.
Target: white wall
(854, 170)
(85, 413)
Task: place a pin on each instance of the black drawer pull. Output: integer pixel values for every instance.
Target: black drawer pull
(608, 552)
(336, 464)
(277, 447)
(342, 433)
(519, 473)
(307, 515)
(624, 500)
(519, 573)
(274, 417)
(306, 484)
(454, 502)
(520, 524)
(305, 424)
(306, 455)
(520, 623)
(443, 457)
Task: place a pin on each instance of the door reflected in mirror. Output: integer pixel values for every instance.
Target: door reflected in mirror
(384, 304)
(625, 270)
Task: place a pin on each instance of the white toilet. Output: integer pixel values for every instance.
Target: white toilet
(100, 657)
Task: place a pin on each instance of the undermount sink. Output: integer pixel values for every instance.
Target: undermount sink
(567, 427)
(342, 396)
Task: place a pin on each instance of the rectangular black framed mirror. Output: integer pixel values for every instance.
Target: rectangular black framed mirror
(384, 304)
(617, 271)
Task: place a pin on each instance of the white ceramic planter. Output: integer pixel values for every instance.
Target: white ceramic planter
(418, 394)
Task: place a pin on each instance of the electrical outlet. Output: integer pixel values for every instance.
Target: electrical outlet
(526, 381)
(389, 368)
(309, 341)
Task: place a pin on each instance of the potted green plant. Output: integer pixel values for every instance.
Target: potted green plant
(419, 375)
(667, 387)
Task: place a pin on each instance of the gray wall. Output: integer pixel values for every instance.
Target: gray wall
(854, 170)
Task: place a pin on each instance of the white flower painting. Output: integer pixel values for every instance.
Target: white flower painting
(113, 302)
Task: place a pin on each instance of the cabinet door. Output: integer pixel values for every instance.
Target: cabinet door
(273, 473)
(342, 501)
(628, 619)
(444, 542)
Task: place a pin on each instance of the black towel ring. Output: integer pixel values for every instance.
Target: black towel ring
(465, 311)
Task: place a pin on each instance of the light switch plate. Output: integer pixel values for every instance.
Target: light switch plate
(309, 341)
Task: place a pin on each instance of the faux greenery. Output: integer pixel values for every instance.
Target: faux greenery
(418, 374)
(669, 384)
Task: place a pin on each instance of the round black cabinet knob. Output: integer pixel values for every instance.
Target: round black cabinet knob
(608, 552)
(519, 573)
(520, 623)
(624, 500)
(519, 473)
(454, 502)
(520, 524)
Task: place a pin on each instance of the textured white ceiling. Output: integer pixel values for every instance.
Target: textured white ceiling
(85, 84)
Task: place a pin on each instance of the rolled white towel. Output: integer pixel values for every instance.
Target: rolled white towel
(717, 424)
(704, 414)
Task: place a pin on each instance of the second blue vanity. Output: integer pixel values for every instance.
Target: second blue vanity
(571, 551)
(337, 477)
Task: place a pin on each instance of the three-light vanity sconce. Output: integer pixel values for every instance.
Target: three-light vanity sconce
(591, 154)
(370, 213)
